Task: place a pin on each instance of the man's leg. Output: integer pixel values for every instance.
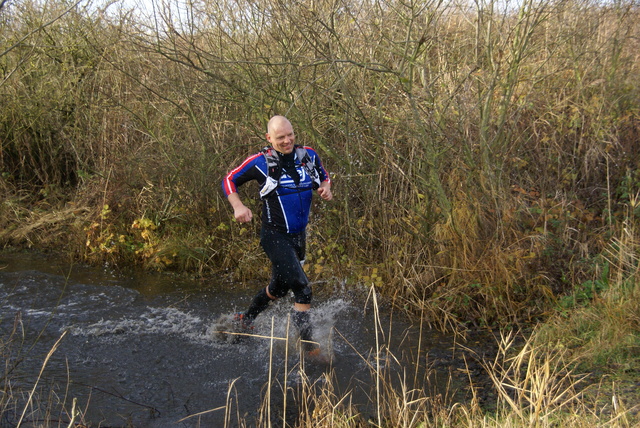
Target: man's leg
(259, 303)
(302, 320)
(301, 314)
(286, 253)
(281, 252)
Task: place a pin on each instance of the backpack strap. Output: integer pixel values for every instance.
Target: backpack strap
(274, 169)
(273, 163)
(309, 165)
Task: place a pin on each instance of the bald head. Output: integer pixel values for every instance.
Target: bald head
(280, 134)
(277, 121)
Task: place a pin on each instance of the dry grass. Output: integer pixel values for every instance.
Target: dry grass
(30, 407)
(483, 155)
(606, 331)
(534, 384)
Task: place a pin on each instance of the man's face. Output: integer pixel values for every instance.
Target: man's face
(281, 136)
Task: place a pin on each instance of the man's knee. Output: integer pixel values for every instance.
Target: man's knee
(303, 295)
(276, 293)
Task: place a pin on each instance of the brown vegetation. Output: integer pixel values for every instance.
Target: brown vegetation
(482, 154)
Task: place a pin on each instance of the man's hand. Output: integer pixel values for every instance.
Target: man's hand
(325, 191)
(241, 212)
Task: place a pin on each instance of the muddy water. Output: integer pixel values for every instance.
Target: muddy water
(138, 349)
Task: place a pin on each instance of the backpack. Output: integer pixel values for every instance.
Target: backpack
(275, 169)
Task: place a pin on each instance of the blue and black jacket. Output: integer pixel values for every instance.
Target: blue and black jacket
(287, 208)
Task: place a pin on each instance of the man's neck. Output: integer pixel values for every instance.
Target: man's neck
(286, 156)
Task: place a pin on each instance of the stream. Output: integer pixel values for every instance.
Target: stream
(139, 349)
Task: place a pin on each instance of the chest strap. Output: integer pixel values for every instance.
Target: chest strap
(274, 168)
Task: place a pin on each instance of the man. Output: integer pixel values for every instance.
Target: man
(287, 174)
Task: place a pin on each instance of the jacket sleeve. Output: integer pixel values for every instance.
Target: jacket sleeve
(246, 171)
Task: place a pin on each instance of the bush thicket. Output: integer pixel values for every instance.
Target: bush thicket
(483, 153)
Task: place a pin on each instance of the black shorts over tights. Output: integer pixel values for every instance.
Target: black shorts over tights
(286, 251)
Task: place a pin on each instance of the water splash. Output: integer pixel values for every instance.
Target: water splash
(129, 352)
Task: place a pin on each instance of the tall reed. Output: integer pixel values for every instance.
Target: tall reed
(471, 145)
